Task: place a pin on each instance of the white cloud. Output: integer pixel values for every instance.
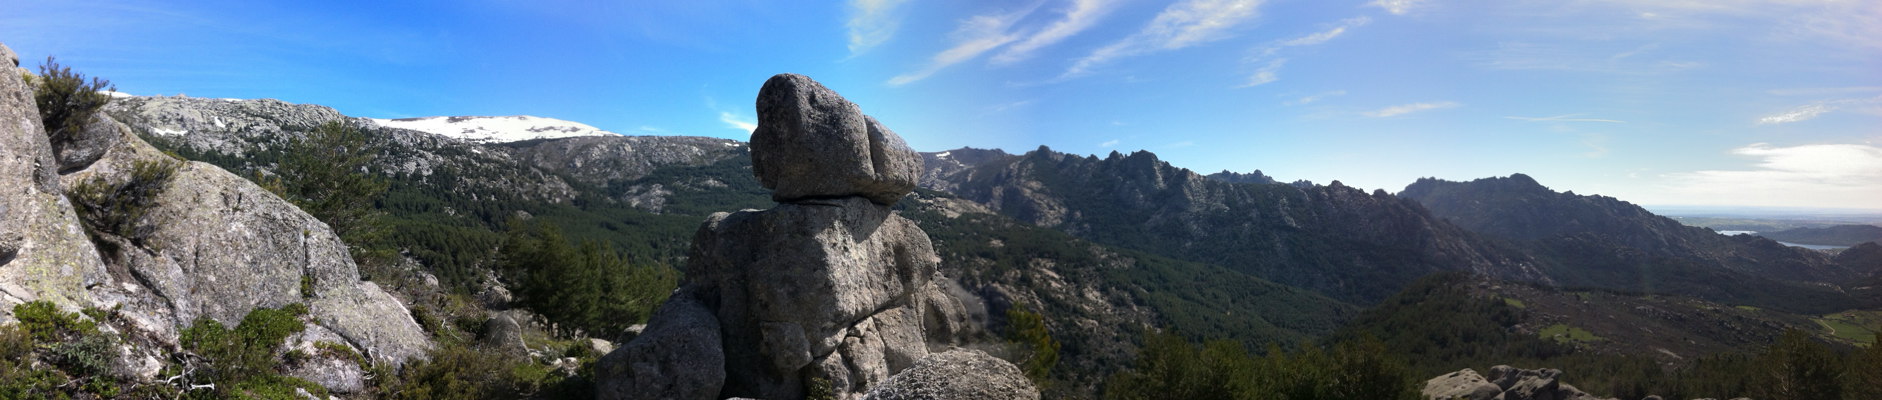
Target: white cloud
(1270, 71)
(1799, 114)
(1010, 106)
(1856, 23)
(1825, 91)
(1597, 145)
(1822, 175)
(1397, 7)
(1267, 74)
(1316, 97)
(1813, 110)
(1410, 108)
(1323, 37)
(1080, 16)
(1565, 118)
(1181, 25)
(976, 35)
(650, 129)
(871, 23)
(1108, 143)
(1519, 56)
(736, 122)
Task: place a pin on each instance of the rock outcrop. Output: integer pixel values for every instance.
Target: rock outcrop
(957, 374)
(195, 242)
(1504, 383)
(44, 254)
(1461, 385)
(828, 290)
(822, 146)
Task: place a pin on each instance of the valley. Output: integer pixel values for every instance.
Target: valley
(525, 257)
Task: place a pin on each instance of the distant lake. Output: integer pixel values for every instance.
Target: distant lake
(1807, 246)
(1813, 246)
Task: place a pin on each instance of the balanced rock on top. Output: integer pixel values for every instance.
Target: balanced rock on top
(830, 291)
(812, 143)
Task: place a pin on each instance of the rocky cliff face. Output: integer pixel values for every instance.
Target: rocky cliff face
(1334, 239)
(108, 221)
(44, 255)
(829, 291)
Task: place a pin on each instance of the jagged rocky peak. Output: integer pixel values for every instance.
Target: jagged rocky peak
(829, 291)
(813, 143)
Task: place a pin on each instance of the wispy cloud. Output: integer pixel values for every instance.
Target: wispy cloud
(1108, 143)
(1804, 113)
(653, 129)
(1079, 16)
(1410, 108)
(1825, 91)
(1597, 145)
(1004, 107)
(1267, 74)
(1817, 109)
(1828, 175)
(1397, 7)
(1182, 144)
(1565, 118)
(736, 122)
(1324, 36)
(1845, 22)
(975, 36)
(1271, 68)
(871, 23)
(1181, 25)
(1525, 56)
(1316, 97)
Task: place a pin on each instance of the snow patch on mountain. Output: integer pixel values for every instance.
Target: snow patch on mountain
(495, 129)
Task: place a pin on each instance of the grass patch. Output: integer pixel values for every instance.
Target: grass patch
(1565, 334)
(1855, 327)
(1514, 303)
(1749, 308)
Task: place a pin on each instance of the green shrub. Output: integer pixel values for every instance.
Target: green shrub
(307, 286)
(68, 341)
(274, 387)
(18, 378)
(1169, 367)
(66, 101)
(324, 173)
(819, 389)
(456, 372)
(1862, 377)
(246, 352)
(587, 286)
(1027, 330)
(46, 323)
(1798, 367)
(119, 208)
(342, 351)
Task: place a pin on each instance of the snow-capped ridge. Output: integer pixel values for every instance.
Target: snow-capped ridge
(495, 129)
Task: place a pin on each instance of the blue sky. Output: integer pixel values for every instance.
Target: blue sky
(1676, 102)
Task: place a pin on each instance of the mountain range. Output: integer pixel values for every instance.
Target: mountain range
(1106, 248)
